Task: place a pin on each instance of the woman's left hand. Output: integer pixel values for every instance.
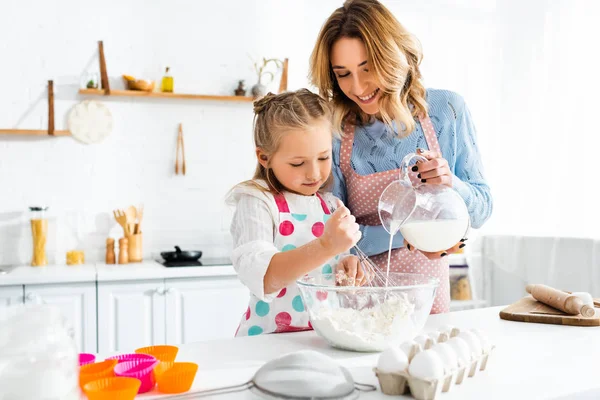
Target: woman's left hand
(434, 171)
(435, 256)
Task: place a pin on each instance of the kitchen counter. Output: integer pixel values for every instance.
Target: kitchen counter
(28, 275)
(531, 361)
(155, 270)
(150, 269)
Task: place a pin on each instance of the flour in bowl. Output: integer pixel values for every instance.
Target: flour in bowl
(366, 329)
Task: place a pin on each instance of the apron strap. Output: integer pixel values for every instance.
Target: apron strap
(430, 136)
(346, 149)
(323, 204)
(281, 202)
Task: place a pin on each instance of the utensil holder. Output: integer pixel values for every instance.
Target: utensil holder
(135, 248)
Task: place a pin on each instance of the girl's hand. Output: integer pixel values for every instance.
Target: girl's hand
(435, 256)
(435, 171)
(349, 272)
(341, 231)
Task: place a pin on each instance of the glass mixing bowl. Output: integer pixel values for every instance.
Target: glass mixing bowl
(368, 318)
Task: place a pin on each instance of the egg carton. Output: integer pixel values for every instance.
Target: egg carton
(400, 383)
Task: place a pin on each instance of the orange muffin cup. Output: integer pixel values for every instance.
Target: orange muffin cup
(178, 378)
(161, 352)
(116, 388)
(95, 371)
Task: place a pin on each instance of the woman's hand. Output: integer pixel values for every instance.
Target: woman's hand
(349, 272)
(438, 255)
(434, 171)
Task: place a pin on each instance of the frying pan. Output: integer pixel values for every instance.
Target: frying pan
(179, 255)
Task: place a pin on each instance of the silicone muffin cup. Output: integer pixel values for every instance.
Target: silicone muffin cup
(95, 371)
(139, 369)
(86, 358)
(177, 379)
(132, 357)
(119, 388)
(161, 352)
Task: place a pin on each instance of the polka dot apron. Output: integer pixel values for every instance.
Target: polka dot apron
(286, 312)
(363, 196)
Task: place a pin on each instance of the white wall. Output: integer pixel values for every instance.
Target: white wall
(496, 54)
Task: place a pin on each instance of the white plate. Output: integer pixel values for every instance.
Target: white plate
(90, 122)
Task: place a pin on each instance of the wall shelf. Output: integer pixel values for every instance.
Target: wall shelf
(107, 91)
(140, 93)
(41, 132)
(33, 132)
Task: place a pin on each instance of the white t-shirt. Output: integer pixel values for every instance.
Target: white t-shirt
(253, 230)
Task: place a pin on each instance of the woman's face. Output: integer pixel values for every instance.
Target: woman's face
(353, 73)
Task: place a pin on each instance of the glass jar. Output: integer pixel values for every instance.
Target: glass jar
(39, 232)
(38, 355)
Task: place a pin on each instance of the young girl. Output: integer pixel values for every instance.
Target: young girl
(282, 228)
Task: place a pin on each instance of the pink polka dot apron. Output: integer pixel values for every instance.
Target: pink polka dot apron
(286, 313)
(363, 197)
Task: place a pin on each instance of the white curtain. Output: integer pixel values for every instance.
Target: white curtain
(529, 72)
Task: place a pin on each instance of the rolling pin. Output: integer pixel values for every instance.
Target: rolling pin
(560, 300)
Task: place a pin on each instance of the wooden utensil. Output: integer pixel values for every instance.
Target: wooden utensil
(131, 213)
(529, 309)
(182, 148)
(560, 300)
(179, 136)
(121, 218)
(140, 215)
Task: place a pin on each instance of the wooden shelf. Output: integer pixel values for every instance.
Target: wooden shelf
(139, 93)
(35, 132)
(41, 132)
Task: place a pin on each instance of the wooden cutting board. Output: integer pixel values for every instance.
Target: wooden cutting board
(529, 309)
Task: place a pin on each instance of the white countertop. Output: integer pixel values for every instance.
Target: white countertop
(28, 275)
(155, 270)
(531, 361)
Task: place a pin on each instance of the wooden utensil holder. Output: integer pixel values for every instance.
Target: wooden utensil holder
(135, 248)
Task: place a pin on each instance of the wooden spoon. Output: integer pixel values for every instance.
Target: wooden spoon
(131, 213)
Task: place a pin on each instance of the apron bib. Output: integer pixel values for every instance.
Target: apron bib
(363, 197)
(286, 312)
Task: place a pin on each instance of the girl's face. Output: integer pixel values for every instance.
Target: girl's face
(353, 73)
(302, 163)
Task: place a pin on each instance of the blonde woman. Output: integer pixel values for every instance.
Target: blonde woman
(367, 65)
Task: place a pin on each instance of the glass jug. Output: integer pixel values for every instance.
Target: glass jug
(432, 218)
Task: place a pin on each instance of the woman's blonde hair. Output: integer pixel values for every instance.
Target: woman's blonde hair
(394, 57)
(276, 114)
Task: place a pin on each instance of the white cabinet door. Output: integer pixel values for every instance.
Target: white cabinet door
(77, 302)
(130, 315)
(204, 308)
(10, 296)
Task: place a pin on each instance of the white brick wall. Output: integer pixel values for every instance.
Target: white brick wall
(207, 45)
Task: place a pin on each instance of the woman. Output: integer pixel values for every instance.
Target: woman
(367, 65)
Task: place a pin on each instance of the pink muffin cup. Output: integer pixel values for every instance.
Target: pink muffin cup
(140, 369)
(86, 358)
(132, 357)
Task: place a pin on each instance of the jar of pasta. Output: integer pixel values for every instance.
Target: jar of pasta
(39, 232)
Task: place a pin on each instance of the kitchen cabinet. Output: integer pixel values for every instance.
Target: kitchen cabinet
(134, 314)
(131, 314)
(204, 309)
(10, 296)
(77, 303)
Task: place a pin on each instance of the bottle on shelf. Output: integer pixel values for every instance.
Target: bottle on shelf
(167, 82)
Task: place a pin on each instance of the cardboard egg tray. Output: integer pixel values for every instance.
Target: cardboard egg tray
(399, 383)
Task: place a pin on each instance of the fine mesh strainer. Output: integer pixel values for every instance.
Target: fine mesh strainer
(302, 375)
